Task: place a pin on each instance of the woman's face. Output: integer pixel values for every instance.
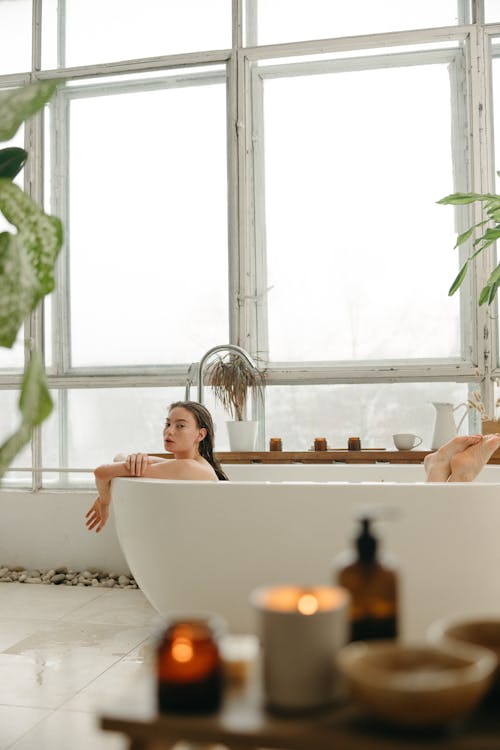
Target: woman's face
(181, 433)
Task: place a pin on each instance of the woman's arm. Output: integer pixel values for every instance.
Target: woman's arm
(99, 512)
(183, 469)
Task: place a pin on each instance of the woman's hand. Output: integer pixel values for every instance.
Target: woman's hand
(97, 515)
(137, 463)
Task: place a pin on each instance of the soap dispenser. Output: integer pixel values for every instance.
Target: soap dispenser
(372, 585)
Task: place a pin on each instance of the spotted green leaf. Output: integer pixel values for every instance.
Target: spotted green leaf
(19, 287)
(17, 105)
(35, 405)
(39, 239)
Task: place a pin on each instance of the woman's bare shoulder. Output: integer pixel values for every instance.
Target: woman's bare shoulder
(182, 468)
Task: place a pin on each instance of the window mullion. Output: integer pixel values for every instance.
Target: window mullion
(482, 181)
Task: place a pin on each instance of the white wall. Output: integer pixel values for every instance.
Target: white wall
(46, 529)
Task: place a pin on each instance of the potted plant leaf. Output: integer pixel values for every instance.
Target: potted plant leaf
(232, 378)
(27, 260)
(491, 220)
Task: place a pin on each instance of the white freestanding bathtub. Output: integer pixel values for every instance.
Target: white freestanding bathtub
(206, 545)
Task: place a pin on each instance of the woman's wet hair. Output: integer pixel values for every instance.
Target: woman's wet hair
(203, 419)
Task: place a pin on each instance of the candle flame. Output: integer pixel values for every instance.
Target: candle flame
(307, 604)
(182, 650)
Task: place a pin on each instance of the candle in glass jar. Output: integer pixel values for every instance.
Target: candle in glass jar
(354, 444)
(320, 444)
(189, 668)
(301, 630)
(275, 444)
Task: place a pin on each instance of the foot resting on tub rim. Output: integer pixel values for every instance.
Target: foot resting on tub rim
(461, 459)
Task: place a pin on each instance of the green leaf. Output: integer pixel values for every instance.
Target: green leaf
(493, 291)
(35, 405)
(464, 237)
(40, 234)
(485, 293)
(35, 402)
(19, 287)
(12, 160)
(17, 105)
(494, 277)
(459, 279)
(461, 199)
(493, 233)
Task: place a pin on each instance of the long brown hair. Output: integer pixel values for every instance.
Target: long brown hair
(206, 446)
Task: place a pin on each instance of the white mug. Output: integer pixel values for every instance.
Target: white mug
(405, 441)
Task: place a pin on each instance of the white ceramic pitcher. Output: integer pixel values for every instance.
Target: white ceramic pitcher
(445, 428)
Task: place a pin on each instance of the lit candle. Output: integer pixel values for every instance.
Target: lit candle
(189, 668)
(301, 630)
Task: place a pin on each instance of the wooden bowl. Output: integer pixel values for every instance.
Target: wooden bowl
(484, 631)
(421, 685)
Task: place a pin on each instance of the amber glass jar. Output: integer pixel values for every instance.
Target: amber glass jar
(320, 444)
(189, 668)
(354, 444)
(275, 444)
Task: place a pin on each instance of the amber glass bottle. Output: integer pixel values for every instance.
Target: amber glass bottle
(373, 588)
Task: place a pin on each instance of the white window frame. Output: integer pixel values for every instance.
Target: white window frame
(247, 276)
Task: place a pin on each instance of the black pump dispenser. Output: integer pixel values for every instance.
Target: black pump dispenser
(366, 543)
(371, 583)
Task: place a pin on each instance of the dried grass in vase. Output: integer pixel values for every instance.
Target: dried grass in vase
(231, 376)
(476, 402)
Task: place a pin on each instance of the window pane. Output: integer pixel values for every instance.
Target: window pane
(15, 36)
(98, 423)
(280, 21)
(373, 412)
(359, 255)
(492, 11)
(148, 224)
(8, 424)
(99, 31)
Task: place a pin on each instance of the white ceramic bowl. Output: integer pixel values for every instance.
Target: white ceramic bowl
(419, 684)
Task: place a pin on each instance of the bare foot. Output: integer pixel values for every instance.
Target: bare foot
(465, 466)
(437, 465)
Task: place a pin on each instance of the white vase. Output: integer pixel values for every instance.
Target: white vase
(242, 435)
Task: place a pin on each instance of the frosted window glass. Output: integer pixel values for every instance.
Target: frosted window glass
(148, 226)
(296, 20)
(360, 257)
(373, 412)
(15, 36)
(99, 31)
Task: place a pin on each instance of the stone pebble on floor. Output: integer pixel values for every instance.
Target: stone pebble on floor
(66, 576)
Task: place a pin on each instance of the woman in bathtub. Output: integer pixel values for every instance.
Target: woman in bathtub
(188, 434)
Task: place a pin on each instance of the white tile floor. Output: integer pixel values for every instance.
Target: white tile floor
(68, 654)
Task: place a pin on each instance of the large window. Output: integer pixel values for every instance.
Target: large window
(356, 153)
(263, 174)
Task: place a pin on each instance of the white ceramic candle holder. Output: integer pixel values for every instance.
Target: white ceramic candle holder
(301, 630)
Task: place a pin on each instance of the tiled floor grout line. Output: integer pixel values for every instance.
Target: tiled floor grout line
(18, 739)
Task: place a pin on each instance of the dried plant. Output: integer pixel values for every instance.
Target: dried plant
(476, 402)
(231, 376)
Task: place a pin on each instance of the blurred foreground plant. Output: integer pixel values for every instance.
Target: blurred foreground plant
(27, 260)
(491, 212)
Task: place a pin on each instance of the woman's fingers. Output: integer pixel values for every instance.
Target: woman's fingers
(97, 516)
(136, 463)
